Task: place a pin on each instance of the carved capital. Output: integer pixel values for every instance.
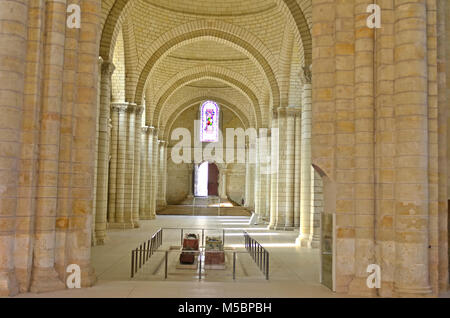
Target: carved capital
(107, 69)
(306, 75)
(131, 108)
(119, 107)
(139, 110)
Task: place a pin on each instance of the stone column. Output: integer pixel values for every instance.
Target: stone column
(121, 166)
(143, 191)
(316, 204)
(107, 69)
(113, 162)
(84, 122)
(164, 188)
(297, 170)
(190, 167)
(285, 207)
(44, 276)
(129, 167)
(257, 178)
(274, 169)
(363, 126)
(223, 184)
(12, 64)
(305, 238)
(161, 198)
(247, 178)
(411, 276)
(250, 175)
(155, 171)
(137, 164)
(265, 177)
(149, 179)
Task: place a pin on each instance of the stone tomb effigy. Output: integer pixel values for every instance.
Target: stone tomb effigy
(214, 253)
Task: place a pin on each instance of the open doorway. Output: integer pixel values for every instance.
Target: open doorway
(206, 180)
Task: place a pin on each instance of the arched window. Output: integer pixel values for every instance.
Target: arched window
(209, 125)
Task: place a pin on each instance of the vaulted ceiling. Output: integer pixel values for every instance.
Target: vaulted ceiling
(247, 53)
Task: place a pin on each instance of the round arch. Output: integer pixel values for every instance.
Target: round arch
(117, 10)
(223, 75)
(195, 102)
(228, 34)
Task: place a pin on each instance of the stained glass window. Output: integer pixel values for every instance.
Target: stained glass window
(209, 128)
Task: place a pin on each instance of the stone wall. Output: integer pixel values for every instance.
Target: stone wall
(179, 175)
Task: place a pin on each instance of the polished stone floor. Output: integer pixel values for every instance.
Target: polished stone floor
(294, 271)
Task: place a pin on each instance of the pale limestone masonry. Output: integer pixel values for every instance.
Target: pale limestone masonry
(103, 153)
(358, 129)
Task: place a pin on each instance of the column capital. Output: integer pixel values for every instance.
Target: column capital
(119, 107)
(289, 111)
(132, 107)
(139, 109)
(274, 113)
(306, 75)
(107, 68)
(155, 132)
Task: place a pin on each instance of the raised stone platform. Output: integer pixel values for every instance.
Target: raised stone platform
(205, 207)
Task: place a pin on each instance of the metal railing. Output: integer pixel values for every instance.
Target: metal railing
(144, 252)
(200, 254)
(259, 254)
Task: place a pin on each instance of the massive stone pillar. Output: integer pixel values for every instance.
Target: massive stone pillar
(121, 141)
(12, 66)
(143, 189)
(306, 232)
(137, 164)
(442, 222)
(249, 188)
(274, 169)
(113, 163)
(164, 184)
(162, 173)
(250, 175)
(44, 276)
(78, 242)
(129, 167)
(411, 275)
(149, 181)
(263, 172)
(364, 181)
(266, 176)
(297, 169)
(286, 168)
(155, 164)
(257, 179)
(103, 146)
